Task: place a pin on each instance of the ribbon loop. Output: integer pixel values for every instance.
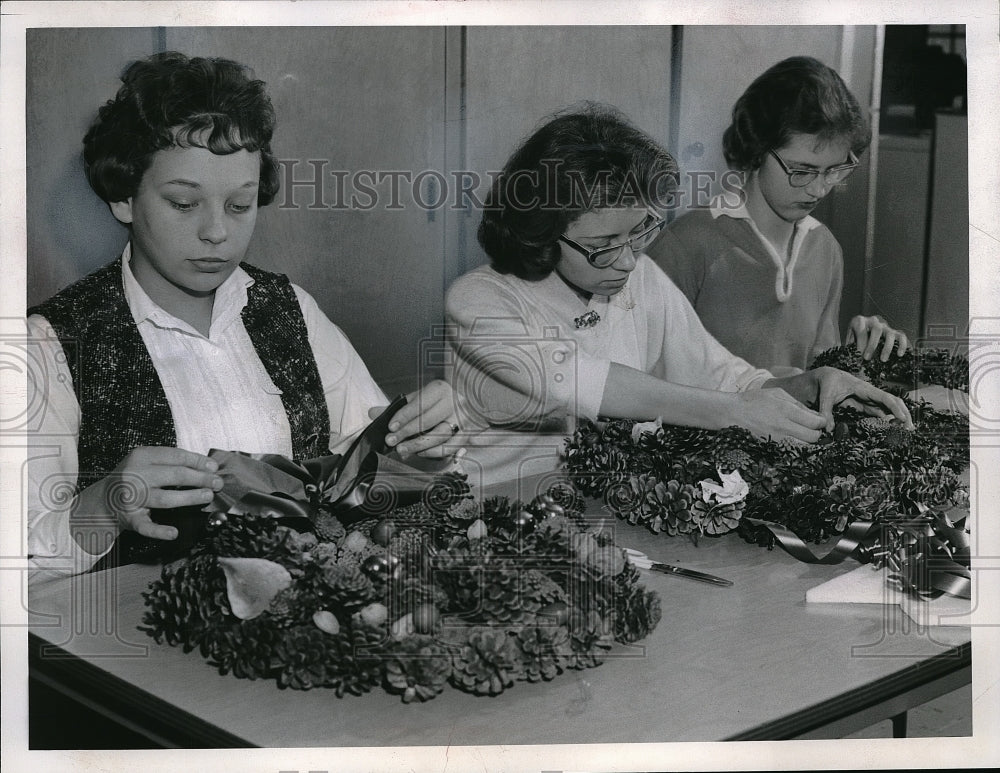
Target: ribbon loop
(361, 483)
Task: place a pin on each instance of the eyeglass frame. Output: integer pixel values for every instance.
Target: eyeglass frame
(849, 167)
(590, 254)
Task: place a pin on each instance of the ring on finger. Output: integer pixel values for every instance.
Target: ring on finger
(454, 427)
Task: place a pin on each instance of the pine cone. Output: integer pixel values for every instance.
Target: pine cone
(717, 519)
(897, 436)
(551, 538)
(303, 654)
(502, 602)
(486, 663)
(627, 499)
(732, 459)
(417, 667)
(284, 606)
(543, 651)
(805, 514)
(637, 613)
(348, 587)
(445, 492)
(590, 639)
(673, 502)
(355, 661)
(410, 545)
(328, 527)
(847, 358)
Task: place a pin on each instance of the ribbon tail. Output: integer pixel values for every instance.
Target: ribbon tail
(848, 543)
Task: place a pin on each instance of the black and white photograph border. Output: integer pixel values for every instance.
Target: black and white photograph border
(21, 23)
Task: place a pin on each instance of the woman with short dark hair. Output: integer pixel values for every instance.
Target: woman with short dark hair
(178, 347)
(572, 319)
(764, 275)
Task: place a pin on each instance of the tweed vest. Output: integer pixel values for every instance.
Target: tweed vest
(122, 401)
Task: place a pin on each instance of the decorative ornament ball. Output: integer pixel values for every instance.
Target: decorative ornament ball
(355, 541)
(217, 519)
(557, 611)
(326, 621)
(549, 506)
(524, 520)
(841, 431)
(375, 614)
(426, 618)
(378, 567)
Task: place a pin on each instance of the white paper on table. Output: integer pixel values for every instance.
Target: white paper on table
(942, 399)
(867, 585)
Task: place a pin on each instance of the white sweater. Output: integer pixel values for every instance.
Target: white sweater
(526, 372)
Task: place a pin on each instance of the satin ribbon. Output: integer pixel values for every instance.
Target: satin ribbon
(930, 555)
(926, 555)
(363, 482)
(852, 538)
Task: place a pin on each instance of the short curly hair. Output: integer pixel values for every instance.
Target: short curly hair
(798, 95)
(588, 158)
(169, 100)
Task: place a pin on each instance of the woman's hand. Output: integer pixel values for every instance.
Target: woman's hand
(827, 387)
(427, 424)
(152, 478)
(869, 331)
(775, 413)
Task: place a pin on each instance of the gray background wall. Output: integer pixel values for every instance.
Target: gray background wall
(438, 99)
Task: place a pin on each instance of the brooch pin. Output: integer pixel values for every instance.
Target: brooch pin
(589, 319)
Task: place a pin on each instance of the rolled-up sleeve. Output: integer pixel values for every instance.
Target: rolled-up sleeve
(53, 466)
(348, 386)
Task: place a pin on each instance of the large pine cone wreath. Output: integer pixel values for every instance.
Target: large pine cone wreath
(867, 468)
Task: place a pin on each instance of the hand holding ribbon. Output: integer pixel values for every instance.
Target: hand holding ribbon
(362, 482)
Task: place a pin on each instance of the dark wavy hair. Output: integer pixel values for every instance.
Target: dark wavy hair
(799, 95)
(170, 100)
(588, 158)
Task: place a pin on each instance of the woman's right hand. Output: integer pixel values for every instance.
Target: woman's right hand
(776, 414)
(153, 478)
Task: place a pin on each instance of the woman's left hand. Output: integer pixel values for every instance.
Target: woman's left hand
(427, 425)
(827, 387)
(868, 332)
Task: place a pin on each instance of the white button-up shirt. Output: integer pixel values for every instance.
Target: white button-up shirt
(219, 392)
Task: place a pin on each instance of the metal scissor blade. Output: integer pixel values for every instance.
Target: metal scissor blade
(690, 573)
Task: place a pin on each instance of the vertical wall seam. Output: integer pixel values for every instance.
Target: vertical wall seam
(674, 107)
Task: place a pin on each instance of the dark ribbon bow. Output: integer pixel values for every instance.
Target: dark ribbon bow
(927, 555)
(361, 483)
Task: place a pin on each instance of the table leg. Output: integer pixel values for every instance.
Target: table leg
(899, 725)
